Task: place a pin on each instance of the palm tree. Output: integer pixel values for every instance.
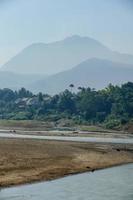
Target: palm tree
(81, 88)
(71, 86)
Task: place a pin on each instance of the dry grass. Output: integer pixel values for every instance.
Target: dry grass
(24, 161)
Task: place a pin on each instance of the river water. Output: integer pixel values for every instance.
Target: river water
(109, 184)
(76, 139)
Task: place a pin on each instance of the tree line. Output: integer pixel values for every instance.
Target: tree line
(112, 105)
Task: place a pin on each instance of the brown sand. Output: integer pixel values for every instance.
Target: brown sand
(25, 161)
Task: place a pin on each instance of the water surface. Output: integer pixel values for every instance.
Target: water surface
(69, 138)
(109, 184)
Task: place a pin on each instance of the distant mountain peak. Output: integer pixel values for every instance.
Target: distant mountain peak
(78, 38)
(51, 58)
(73, 37)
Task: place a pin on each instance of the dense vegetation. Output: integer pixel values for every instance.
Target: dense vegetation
(112, 106)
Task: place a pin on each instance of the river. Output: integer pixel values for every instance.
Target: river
(109, 184)
(66, 138)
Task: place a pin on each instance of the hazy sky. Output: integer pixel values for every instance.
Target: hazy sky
(23, 22)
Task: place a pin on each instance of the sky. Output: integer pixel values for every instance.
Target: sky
(23, 22)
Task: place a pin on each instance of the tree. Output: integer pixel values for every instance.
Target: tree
(71, 86)
(66, 102)
(22, 93)
(40, 97)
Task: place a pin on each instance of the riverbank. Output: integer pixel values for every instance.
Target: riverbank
(64, 128)
(24, 161)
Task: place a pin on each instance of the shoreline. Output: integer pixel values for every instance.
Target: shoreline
(36, 161)
(78, 133)
(61, 177)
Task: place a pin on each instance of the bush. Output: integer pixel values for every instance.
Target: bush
(112, 122)
(22, 116)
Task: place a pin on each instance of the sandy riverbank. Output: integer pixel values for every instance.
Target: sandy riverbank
(25, 161)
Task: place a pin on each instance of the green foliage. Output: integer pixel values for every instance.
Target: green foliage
(112, 106)
(22, 116)
(112, 122)
(66, 102)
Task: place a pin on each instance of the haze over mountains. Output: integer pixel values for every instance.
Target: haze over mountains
(16, 81)
(95, 73)
(79, 60)
(62, 55)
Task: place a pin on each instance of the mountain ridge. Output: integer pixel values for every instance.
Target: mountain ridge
(95, 73)
(54, 57)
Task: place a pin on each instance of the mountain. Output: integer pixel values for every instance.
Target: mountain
(61, 55)
(16, 81)
(95, 73)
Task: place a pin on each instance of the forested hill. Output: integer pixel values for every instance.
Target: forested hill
(112, 106)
